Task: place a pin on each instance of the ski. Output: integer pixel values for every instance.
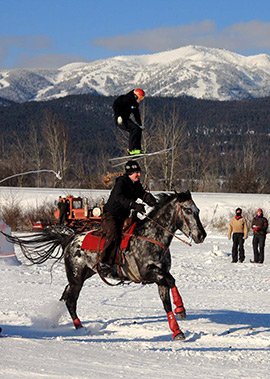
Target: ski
(138, 156)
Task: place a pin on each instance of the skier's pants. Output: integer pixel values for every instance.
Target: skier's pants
(135, 134)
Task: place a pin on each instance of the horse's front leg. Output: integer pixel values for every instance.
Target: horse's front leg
(179, 311)
(164, 293)
(177, 300)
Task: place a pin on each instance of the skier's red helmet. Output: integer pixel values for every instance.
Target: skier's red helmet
(139, 93)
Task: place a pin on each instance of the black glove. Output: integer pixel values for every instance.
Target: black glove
(139, 208)
(149, 199)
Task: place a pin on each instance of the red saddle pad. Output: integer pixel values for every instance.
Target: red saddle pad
(92, 242)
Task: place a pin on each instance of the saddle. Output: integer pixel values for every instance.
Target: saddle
(94, 240)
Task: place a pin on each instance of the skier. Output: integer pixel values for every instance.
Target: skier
(123, 107)
(259, 226)
(238, 226)
(122, 199)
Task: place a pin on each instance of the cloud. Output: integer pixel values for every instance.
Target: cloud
(7, 43)
(241, 36)
(27, 52)
(47, 60)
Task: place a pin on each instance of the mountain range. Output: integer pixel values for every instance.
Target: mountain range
(200, 72)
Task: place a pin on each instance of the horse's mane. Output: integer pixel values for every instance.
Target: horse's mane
(165, 198)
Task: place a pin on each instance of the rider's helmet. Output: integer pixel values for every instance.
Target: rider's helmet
(139, 93)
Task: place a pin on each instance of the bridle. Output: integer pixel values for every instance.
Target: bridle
(179, 209)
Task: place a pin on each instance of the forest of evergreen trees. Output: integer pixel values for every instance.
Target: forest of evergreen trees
(219, 146)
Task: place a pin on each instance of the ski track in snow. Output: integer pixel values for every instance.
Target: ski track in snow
(126, 333)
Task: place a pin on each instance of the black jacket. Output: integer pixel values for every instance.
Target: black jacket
(262, 223)
(123, 196)
(124, 105)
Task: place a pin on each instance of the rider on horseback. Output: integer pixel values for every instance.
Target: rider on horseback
(122, 200)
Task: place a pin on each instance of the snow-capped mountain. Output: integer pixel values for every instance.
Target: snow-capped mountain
(201, 72)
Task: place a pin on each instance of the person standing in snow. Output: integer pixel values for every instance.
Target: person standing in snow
(63, 207)
(123, 107)
(238, 226)
(127, 189)
(259, 226)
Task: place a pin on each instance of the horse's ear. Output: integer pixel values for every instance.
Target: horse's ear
(176, 193)
(188, 194)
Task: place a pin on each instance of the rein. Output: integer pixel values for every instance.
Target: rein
(179, 209)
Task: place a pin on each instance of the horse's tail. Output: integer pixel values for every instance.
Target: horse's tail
(47, 244)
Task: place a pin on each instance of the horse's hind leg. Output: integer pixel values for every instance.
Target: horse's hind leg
(70, 296)
(164, 293)
(72, 291)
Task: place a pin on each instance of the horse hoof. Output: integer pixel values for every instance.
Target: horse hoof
(179, 336)
(77, 323)
(181, 315)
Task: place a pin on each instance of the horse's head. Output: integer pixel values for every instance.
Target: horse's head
(187, 217)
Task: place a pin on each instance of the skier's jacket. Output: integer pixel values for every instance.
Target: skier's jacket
(123, 196)
(124, 105)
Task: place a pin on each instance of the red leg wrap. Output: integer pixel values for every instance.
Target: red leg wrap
(77, 323)
(173, 324)
(177, 300)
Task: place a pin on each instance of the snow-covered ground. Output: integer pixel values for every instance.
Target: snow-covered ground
(126, 333)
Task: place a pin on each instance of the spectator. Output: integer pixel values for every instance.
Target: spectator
(238, 226)
(63, 207)
(259, 226)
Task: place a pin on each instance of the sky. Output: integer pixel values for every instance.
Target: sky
(52, 33)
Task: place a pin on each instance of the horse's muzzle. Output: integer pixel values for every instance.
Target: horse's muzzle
(200, 237)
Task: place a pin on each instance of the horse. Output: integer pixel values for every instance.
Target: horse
(147, 258)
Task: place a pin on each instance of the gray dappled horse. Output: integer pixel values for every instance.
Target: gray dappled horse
(147, 258)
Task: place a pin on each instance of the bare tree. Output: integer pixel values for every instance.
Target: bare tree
(19, 158)
(55, 135)
(169, 132)
(247, 177)
(35, 151)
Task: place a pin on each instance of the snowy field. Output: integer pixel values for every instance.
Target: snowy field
(126, 333)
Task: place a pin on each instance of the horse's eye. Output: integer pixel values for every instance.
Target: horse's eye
(188, 211)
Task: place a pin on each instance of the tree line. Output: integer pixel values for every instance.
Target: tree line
(219, 146)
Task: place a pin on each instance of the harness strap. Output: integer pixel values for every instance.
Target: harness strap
(148, 239)
(103, 278)
(167, 230)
